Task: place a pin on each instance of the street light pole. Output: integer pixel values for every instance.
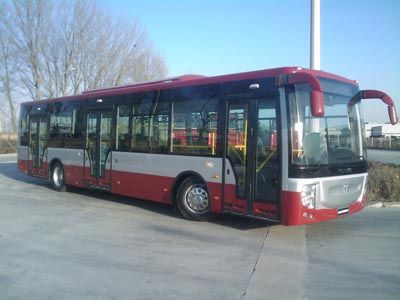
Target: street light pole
(315, 32)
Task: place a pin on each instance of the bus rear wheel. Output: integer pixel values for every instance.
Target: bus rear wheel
(193, 200)
(57, 177)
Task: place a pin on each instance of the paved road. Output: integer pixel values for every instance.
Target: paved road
(355, 257)
(392, 157)
(90, 245)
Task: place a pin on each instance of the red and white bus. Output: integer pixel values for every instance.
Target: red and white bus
(286, 144)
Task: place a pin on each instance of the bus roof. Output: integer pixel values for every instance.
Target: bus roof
(189, 80)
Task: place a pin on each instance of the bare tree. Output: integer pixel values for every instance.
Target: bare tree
(56, 48)
(7, 74)
(27, 32)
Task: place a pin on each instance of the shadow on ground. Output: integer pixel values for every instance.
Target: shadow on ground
(10, 171)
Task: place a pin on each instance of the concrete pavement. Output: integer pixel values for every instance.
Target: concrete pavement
(356, 257)
(91, 245)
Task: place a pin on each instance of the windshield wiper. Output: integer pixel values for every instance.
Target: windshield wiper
(352, 157)
(343, 163)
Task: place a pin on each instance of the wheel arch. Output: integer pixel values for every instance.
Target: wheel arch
(180, 178)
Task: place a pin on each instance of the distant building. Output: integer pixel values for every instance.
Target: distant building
(368, 127)
(382, 130)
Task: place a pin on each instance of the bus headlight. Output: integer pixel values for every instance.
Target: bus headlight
(308, 195)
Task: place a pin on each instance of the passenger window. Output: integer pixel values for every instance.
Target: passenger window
(140, 133)
(61, 121)
(194, 127)
(122, 131)
(150, 123)
(23, 126)
(66, 126)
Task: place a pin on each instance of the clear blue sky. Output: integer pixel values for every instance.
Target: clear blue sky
(360, 39)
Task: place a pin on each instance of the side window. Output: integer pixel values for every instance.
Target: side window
(194, 127)
(150, 123)
(141, 122)
(122, 130)
(159, 123)
(65, 126)
(23, 126)
(75, 138)
(60, 125)
(266, 131)
(140, 133)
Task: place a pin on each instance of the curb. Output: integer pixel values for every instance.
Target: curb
(9, 155)
(391, 204)
(381, 204)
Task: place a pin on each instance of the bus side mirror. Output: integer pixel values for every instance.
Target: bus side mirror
(317, 103)
(316, 96)
(374, 94)
(392, 115)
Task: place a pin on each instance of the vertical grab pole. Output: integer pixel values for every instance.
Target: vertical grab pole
(315, 32)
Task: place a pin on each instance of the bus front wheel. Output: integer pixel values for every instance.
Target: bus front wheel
(57, 177)
(193, 200)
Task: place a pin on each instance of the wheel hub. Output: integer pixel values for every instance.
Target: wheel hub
(58, 176)
(197, 198)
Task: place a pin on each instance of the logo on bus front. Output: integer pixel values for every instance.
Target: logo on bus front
(346, 188)
(345, 170)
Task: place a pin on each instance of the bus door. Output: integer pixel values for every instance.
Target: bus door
(37, 156)
(252, 164)
(98, 153)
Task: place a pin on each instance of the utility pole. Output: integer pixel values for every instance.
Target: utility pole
(315, 32)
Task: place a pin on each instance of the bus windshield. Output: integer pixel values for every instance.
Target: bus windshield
(337, 138)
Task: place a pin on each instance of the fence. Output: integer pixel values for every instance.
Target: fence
(384, 142)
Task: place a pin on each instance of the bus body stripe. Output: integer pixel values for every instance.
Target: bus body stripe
(165, 165)
(72, 157)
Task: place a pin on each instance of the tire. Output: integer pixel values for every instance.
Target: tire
(193, 200)
(57, 177)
